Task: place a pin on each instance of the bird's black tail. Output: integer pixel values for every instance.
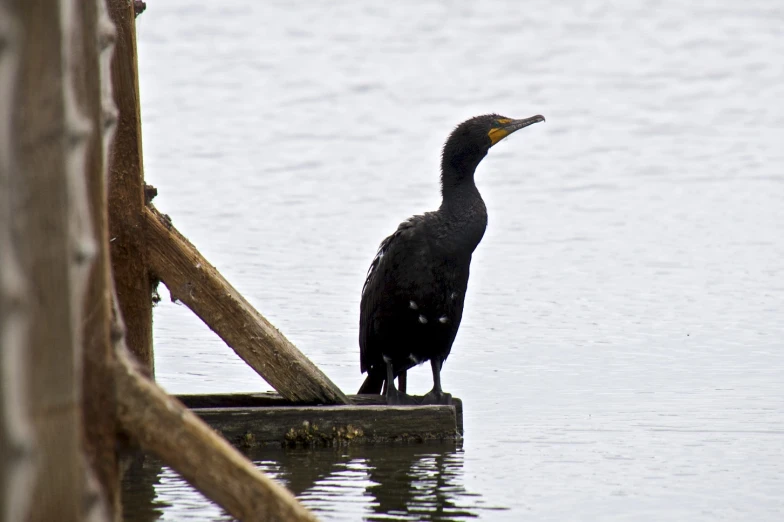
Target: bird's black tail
(374, 382)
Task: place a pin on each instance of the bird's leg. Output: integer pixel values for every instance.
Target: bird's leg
(436, 395)
(402, 380)
(395, 397)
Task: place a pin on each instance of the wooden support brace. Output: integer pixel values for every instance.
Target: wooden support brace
(126, 191)
(193, 280)
(163, 426)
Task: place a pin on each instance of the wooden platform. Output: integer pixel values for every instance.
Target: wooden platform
(249, 420)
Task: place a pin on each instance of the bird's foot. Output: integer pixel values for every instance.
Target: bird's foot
(437, 397)
(398, 398)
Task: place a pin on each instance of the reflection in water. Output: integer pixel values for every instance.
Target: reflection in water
(139, 490)
(410, 482)
(425, 483)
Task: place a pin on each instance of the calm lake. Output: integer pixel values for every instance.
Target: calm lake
(621, 355)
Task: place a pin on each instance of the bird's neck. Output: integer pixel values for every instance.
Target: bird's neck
(458, 190)
(462, 209)
(457, 198)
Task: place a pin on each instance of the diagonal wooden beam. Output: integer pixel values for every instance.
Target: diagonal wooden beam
(193, 280)
(161, 425)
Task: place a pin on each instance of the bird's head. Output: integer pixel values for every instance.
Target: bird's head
(471, 140)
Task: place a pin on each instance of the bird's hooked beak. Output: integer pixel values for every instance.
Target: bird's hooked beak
(507, 127)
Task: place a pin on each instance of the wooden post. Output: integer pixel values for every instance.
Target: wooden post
(49, 255)
(126, 192)
(17, 459)
(95, 37)
(43, 148)
(194, 281)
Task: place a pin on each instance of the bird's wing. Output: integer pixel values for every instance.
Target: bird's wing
(382, 250)
(373, 290)
(397, 240)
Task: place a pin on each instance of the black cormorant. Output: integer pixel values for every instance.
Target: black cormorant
(412, 300)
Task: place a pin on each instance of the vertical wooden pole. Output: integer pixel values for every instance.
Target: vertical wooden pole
(41, 185)
(52, 246)
(126, 192)
(95, 39)
(17, 464)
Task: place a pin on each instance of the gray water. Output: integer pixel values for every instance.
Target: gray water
(621, 352)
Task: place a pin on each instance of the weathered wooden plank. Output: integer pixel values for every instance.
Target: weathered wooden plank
(126, 192)
(331, 425)
(193, 280)
(266, 418)
(239, 400)
(164, 427)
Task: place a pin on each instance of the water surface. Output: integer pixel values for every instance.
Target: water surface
(621, 352)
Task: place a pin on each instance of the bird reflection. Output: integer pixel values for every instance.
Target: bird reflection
(418, 482)
(400, 482)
